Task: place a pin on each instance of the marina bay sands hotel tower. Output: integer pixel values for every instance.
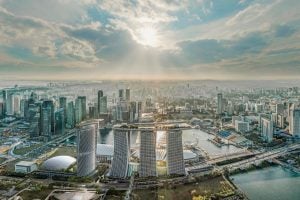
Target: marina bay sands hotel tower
(121, 156)
(147, 166)
(147, 153)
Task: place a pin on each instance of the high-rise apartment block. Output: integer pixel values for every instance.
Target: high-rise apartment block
(295, 122)
(267, 129)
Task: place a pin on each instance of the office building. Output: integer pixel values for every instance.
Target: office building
(219, 103)
(127, 94)
(9, 102)
(70, 115)
(102, 105)
(86, 148)
(4, 103)
(34, 118)
(60, 121)
(241, 126)
(139, 110)
(24, 108)
(16, 105)
(120, 162)
(175, 162)
(121, 95)
(25, 167)
(46, 122)
(99, 95)
(132, 111)
(119, 112)
(78, 111)
(2, 115)
(295, 122)
(63, 105)
(83, 107)
(147, 153)
(92, 112)
(47, 118)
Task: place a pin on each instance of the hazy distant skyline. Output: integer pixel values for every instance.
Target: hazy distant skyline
(149, 39)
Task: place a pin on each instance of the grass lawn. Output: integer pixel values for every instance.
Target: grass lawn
(203, 190)
(25, 150)
(66, 151)
(11, 165)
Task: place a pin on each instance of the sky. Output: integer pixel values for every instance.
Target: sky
(149, 39)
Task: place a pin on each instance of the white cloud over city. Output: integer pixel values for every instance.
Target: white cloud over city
(158, 39)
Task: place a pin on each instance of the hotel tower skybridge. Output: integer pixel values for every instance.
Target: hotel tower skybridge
(147, 150)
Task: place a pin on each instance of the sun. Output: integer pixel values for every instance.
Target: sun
(147, 36)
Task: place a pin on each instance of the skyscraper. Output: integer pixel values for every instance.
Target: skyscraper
(46, 122)
(1, 110)
(147, 153)
(63, 105)
(219, 103)
(132, 111)
(24, 107)
(295, 122)
(86, 148)
(119, 112)
(60, 121)
(78, 111)
(83, 106)
(4, 102)
(16, 105)
(127, 94)
(139, 110)
(175, 162)
(47, 118)
(121, 95)
(70, 115)
(102, 105)
(100, 94)
(9, 102)
(121, 152)
(34, 117)
(92, 112)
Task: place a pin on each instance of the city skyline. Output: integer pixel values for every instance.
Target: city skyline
(160, 40)
(146, 139)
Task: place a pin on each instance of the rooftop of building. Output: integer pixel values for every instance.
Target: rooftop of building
(25, 163)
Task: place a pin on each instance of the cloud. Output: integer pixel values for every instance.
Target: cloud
(197, 37)
(207, 51)
(284, 31)
(62, 11)
(43, 38)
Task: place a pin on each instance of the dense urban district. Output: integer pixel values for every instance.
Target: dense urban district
(143, 139)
